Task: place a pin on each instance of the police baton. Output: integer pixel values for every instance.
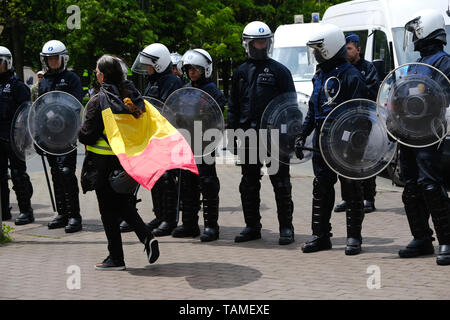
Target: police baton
(48, 183)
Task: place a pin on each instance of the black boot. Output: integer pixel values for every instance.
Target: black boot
(369, 206)
(73, 210)
(210, 187)
(25, 218)
(417, 247)
(285, 208)
(354, 214)
(74, 225)
(341, 206)
(323, 200)
(418, 216)
(443, 258)
(249, 189)
(60, 221)
(158, 204)
(125, 227)
(210, 217)
(190, 193)
(170, 199)
(438, 204)
(24, 191)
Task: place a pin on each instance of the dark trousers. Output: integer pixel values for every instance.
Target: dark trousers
(65, 183)
(368, 187)
(424, 194)
(19, 177)
(113, 206)
(205, 185)
(324, 196)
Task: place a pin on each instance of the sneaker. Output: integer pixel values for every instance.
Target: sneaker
(152, 249)
(109, 264)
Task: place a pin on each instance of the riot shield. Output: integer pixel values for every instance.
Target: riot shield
(283, 115)
(198, 118)
(412, 103)
(53, 122)
(354, 142)
(21, 141)
(159, 105)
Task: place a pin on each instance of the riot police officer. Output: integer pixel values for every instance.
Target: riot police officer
(198, 65)
(155, 62)
(370, 74)
(424, 193)
(54, 57)
(175, 57)
(13, 92)
(328, 43)
(254, 84)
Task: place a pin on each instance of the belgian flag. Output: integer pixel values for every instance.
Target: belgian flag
(146, 146)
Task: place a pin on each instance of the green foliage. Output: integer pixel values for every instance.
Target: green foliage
(124, 27)
(5, 237)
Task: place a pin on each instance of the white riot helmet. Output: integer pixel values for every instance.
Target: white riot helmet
(325, 43)
(199, 59)
(54, 48)
(426, 24)
(257, 30)
(156, 55)
(6, 58)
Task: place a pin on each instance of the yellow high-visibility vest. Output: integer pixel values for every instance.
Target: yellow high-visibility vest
(101, 146)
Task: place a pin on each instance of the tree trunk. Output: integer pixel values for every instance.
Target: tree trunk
(18, 39)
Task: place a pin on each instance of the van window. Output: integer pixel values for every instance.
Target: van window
(381, 49)
(362, 34)
(296, 60)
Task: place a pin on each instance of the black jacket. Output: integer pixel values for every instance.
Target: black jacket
(13, 92)
(370, 74)
(66, 81)
(253, 85)
(161, 85)
(352, 86)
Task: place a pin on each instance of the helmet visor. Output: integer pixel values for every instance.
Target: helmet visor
(142, 62)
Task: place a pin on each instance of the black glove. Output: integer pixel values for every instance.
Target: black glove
(299, 144)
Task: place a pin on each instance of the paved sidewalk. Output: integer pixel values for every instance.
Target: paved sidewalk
(37, 264)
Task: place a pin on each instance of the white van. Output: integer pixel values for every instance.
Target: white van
(289, 48)
(380, 26)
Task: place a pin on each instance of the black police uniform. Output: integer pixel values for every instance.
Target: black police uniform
(352, 85)
(164, 192)
(205, 183)
(65, 183)
(97, 168)
(254, 84)
(424, 193)
(13, 92)
(369, 73)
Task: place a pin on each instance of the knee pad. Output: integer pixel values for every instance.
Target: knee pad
(209, 186)
(411, 193)
(321, 187)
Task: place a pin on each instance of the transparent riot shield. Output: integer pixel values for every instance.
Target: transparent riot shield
(413, 104)
(198, 118)
(159, 105)
(284, 116)
(353, 141)
(21, 141)
(54, 121)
